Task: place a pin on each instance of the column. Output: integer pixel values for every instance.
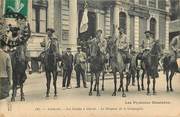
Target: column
(97, 20)
(73, 21)
(128, 27)
(136, 32)
(167, 24)
(116, 17)
(50, 14)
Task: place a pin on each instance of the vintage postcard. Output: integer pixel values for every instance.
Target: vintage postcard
(89, 58)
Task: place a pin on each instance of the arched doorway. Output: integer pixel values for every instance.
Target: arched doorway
(122, 21)
(153, 26)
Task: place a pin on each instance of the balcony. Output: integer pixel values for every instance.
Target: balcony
(174, 26)
(40, 3)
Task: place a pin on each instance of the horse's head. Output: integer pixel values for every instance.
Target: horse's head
(95, 50)
(52, 47)
(156, 48)
(20, 53)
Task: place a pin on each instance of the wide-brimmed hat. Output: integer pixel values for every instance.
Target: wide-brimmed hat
(148, 32)
(79, 47)
(68, 48)
(99, 31)
(51, 30)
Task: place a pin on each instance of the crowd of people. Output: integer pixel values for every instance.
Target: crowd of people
(79, 60)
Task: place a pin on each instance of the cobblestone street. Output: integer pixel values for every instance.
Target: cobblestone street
(77, 102)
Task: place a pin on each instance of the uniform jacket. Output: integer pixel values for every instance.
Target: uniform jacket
(5, 66)
(67, 61)
(121, 41)
(80, 59)
(147, 43)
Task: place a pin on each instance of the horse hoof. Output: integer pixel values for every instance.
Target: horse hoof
(142, 88)
(119, 90)
(90, 93)
(47, 95)
(22, 99)
(154, 93)
(12, 99)
(102, 89)
(55, 95)
(167, 89)
(171, 90)
(98, 94)
(148, 93)
(127, 90)
(114, 94)
(139, 89)
(94, 90)
(123, 95)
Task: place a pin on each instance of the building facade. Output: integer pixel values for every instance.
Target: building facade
(175, 18)
(134, 16)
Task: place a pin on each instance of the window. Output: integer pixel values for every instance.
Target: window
(132, 1)
(162, 4)
(65, 34)
(39, 16)
(122, 21)
(153, 26)
(142, 2)
(152, 3)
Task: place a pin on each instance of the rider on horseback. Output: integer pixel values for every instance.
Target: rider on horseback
(174, 51)
(122, 44)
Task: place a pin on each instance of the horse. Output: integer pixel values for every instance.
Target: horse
(117, 65)
(50, 61)
(19, 66)
(170, 68)
(151, 62)
(96, 66)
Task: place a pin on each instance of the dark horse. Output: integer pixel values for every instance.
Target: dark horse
(151, 62)
(117, 65)
(19, 65)
(170, 68)
(96, 65)
(50, 61)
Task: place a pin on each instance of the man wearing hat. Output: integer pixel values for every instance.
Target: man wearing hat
(80, 66)
(67, 65)
(122, 45)
(46, 43)
(148, 42)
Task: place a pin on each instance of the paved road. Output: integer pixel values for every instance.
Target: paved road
(76, 102)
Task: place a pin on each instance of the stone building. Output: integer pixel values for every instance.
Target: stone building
(175, 18)
(134, 16)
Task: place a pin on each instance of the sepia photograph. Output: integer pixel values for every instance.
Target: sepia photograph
(89, 58)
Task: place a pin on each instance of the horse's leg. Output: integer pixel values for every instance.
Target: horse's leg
(90, 92)
(142, 79)
(139, 89)
(54, 82)
(22, 93)
(171, 77)
(103, 74)
(120, 85)
(133, 78)
(97, 75)
(167, 80)
(13, 92)
(128, 77)
(95, 86)
(148, 83)
(115, 84)
(154, 85)
(48, 78)
(121, 80)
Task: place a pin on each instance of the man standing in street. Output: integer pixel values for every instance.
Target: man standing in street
(5, 77)
(67, 64)
(5, 72)
(80, 67)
